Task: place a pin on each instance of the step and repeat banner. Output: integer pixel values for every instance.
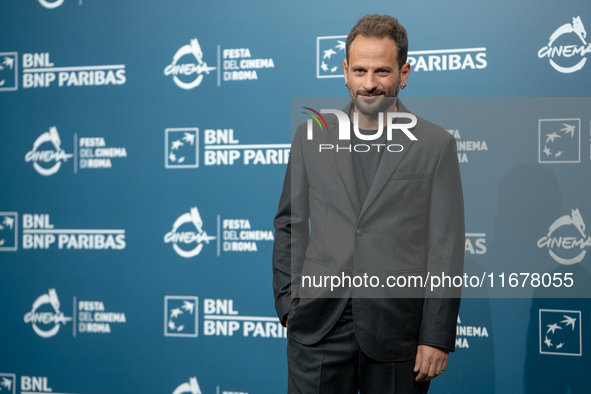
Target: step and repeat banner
(143, 146)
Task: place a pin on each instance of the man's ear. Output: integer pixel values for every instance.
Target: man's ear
(346, 70)
(404, 73)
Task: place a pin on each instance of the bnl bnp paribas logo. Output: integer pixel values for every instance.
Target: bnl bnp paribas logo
(189, 67)
(39, 71)
(220, 147)
(559, 140)
(8, 71)
(219, 318)
(7, 383)
(560, 332)
(28, 384)
(567, 47)
(566, 240)
(330, 53)
(39, 233)
(8, 231)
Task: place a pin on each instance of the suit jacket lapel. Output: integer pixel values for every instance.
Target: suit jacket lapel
(388, 164)
(344, 161)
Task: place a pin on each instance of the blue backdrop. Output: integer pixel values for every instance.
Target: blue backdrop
(143, 146)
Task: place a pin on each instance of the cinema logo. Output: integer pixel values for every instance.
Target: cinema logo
(45, 316)
(51, 4)
(345, 130)
(463, 333)
(47, 154)
(40, 233)
(233, 235)
(93, 318)
(239, 236)
(566, 239)
(465, 147)
(188, 74)
(564, 53)
(239, 65)
(40, 72)
(192, 387)
(188, 68)
(46, 321)
(187, 230)
(94, 153)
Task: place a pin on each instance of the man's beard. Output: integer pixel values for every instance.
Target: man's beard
(378, 104)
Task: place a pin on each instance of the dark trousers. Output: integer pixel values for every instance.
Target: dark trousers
(337, 365)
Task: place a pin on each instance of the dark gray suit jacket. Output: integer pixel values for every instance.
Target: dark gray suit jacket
(412, 222)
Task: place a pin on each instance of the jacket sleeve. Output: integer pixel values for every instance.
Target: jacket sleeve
(446, 247)
(291, 230)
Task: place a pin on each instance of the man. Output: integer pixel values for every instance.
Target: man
(389, 213)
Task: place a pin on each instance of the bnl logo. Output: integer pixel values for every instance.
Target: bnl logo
(330, 53)
(7, 383)
(560, 332)
(181, 148)
(180, 316)
(8, 71)
(8, 231)
(559, 141)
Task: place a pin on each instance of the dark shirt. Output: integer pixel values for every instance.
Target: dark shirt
(365, 164)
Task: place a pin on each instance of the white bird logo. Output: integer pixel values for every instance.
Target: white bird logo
(8, 222)
(176, 145)
(569, 321)
(190, 138)
(6, 383)
(552, 136)
(8, 62)
(328, 53)
(568, 129)
(188, 306)
(553, 327)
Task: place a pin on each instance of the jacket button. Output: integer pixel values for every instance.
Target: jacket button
(360, 232)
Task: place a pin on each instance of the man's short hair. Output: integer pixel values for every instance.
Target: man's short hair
(380, 26)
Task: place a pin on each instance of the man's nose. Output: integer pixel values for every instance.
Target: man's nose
(370, 82)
